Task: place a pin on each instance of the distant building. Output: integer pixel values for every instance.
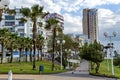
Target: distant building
(58, 17)
(90, 24)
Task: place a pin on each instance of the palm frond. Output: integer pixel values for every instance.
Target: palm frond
(40, 24)
(23, 20)
(26, 12)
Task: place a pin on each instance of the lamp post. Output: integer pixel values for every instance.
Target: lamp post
(61, 42)
(111, 46)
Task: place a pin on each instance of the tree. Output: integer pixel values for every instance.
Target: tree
(34, 13)
(4, 33)
(27, 46)
(40, 42)
(12, 44)
(93, 52)
(20, 46)
(52, 23)
(116, 58)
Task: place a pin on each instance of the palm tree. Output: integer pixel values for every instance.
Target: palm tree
(4, 33)
(52, 23)
(27, 46)
(12, 45)
(35, 13)
(40, 42)
(20, 46)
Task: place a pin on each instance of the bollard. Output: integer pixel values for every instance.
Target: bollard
(10, 75)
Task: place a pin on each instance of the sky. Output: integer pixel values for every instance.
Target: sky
(108, 14)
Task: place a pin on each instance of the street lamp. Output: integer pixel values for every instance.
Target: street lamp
(111, 46)
(3, 5)
(61, 42)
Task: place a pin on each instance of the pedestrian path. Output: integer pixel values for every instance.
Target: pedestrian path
(83, 68)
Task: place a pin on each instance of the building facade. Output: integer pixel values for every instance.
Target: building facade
(58, 17)
(90, 24)
(14, 24)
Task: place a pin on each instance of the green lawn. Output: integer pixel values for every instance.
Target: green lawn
(26, 68)
(105, 69)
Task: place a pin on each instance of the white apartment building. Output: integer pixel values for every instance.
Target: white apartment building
(13, 23)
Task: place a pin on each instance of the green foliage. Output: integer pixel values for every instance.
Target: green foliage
(117, 61)
(93, 52)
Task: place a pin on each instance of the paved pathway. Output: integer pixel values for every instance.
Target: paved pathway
(81, 73)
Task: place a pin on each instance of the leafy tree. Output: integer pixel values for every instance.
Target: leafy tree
(93, 52)
(116, 58)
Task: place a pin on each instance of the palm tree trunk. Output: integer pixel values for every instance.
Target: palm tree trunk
(1, 11)
(11, 59)
(38, 55)
(26, 54)
(53, 54)
(30, 55)
(41, 53)
(20, 54)
(34, 44)
(2, 54)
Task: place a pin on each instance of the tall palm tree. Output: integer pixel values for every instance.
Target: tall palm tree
(34, 13)
(52, 23)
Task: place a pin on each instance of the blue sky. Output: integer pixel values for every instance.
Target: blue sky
(108, 13)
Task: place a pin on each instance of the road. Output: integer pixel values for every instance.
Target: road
(81, 73)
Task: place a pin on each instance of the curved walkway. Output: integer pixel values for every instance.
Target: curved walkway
(81, 73)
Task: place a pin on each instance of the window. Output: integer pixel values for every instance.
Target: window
(9, 23)
(20, 30)
(22, 34)
(9, 17)
(21, 24)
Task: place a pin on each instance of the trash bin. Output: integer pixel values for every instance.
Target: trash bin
(41, 68)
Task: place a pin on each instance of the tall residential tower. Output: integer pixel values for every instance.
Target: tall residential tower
(90, 24)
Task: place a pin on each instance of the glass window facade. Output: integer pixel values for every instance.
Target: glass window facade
(9, 17)
(10, 23)
(22, 34)
(21, 24)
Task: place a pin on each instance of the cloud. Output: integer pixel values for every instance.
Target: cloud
(109, 22)
(22, 3)
(72, 24)
(108, 18)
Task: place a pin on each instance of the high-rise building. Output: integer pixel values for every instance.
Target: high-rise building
(90, 24)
